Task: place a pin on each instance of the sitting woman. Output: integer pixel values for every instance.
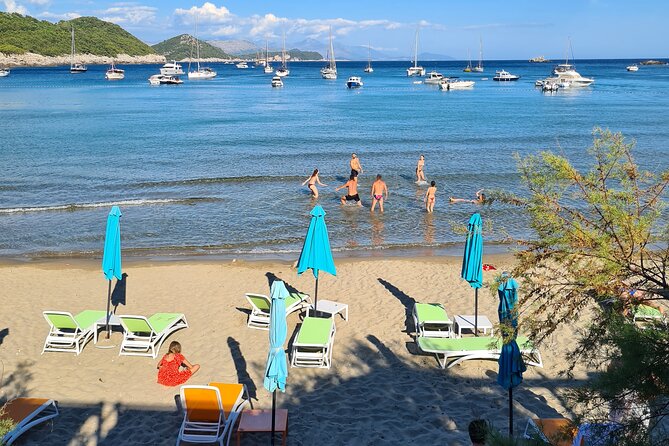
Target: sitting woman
(170, 372)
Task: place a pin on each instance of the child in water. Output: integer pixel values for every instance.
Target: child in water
(430, 197)
(170, 371)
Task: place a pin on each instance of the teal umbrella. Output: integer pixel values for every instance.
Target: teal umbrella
(472, 262)
(511, 365)
(316, 254)
(111, 256)
(276, 371)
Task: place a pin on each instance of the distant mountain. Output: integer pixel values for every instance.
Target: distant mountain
(235, 47)
(183, 47)
(344, 51)
(293, 54)
(23, 34)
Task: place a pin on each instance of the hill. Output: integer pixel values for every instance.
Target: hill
(235, 47)
(23, 34)
(293, 54)
(183, 47)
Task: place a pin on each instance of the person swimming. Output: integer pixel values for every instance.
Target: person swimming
(352, 187)
(430, 197)
(480, 199)
(420, 175)
(379, 188)
(313, 180)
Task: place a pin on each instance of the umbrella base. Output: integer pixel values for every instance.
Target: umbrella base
(107, 343)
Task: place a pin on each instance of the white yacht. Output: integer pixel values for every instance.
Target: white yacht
(329, 71)
(434, 78)
(505, 76)
(76, 67)
(171, 69)
(479, 67)
(415, 70)
(354, 82)
(453, 83)
(283, 70)
(277, 82)
(201, 73)
(268, 67)
(633, 67)
(4, 72)
(368, 68)
(114, 73)
(566, 73)
(165, 79)
(242, 65)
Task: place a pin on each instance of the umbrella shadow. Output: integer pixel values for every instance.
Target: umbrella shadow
(271, 277)
(405, 300)
(118, 296)
(3, 334)
(243, 376)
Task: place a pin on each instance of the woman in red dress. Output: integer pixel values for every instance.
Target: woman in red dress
(170, 371)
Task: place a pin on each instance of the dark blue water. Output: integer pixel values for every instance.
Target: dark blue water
(216, 166)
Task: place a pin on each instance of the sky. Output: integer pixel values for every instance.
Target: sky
(512, 29)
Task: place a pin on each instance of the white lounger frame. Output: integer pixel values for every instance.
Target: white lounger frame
(147, 345)
(531, 356)
(447, 332)
(313, 355)
(45, 412)
(66, 341)
(259, 319)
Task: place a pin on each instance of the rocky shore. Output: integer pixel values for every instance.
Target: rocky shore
(37, 60)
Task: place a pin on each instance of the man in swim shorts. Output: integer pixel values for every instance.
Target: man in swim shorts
(356, 168)
(378, 189)
(352, 188)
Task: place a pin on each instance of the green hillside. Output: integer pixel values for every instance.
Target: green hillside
(183, 47)
(20, 34)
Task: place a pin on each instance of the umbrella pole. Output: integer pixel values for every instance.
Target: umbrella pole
(476, 311)
(510, 411)
(273, 414)
(107, 328)
(316, 298)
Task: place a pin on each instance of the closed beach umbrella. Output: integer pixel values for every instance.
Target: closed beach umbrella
(276, 371)
(511, 365)
(111, 256)
(316, 254)
(472, 262)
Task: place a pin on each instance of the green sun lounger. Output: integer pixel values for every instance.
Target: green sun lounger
(647, 313)
(143, 337)
(313, 345)
(260, 304)
(483, 347)
(68, 333)
(431, 320)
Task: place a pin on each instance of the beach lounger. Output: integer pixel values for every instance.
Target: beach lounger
(210, 412)
(260, 304)
(464, 349)
(313, 345)
(645, 313)
(143, 337)
(432, 321)
(563, 432)
(69, 333)
(26, 413)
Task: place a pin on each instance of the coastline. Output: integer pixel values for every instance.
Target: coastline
(38, 60)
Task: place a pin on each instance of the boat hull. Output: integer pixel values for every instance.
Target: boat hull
(415, 71)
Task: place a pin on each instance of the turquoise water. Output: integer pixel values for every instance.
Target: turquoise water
(216, 166)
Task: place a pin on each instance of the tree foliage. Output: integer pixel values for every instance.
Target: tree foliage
(20, 34)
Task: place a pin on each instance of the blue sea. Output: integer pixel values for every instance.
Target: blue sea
(215, 167)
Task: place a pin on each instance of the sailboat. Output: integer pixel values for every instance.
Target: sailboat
(415, 70)
(468, 68)
(329, 71)
(201, 72)
(283, 70)
(76, 67)
(479, 68)
(114, 73)
(368, 68)
(268, 66)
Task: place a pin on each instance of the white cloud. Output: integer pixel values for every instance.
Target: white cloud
(226, 31)
(12, 6)
(125, 13)
(53, 16)
(39, 2)
(207, 13)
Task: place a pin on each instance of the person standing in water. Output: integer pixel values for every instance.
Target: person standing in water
(379, 188)
(420, 175)
(356, 168)
(430, 197)
(313, 180)
(352, 187)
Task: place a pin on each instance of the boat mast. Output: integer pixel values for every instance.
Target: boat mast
(415, 51)
(283, 52)
(369, 55)
(72, 47)
(333, 63)
(480, 51)
(266, 52)
(197, 46)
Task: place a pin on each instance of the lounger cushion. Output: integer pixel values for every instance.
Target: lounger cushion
(85, 319)
(201, 404)
(160, 321)
(315, 331)
(294, 298)
(230, 395)
(647, 311)
(431, 313)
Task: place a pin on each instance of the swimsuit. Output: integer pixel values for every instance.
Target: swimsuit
(355, 198)
(378, 197)
(354, 172)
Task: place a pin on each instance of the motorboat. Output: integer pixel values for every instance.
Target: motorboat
(202, 73)
(165, 79)
(76, 67)
(505, 76)
(242, 65)
(354, 82)
(571, 76)
(4, 72)
(453, 83)
(550, 87)
(171, 69)
(415, 70)
(433, 78)
(634, 67)
(277, 82)
(114, 73)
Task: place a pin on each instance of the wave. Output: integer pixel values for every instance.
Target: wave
(134, 202)
(219, 180)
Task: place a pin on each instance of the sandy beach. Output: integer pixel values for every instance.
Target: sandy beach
(380, 390)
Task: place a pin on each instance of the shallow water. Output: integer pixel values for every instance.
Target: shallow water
(215, 166)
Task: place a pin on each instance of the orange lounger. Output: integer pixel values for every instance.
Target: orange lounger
(26, 413)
